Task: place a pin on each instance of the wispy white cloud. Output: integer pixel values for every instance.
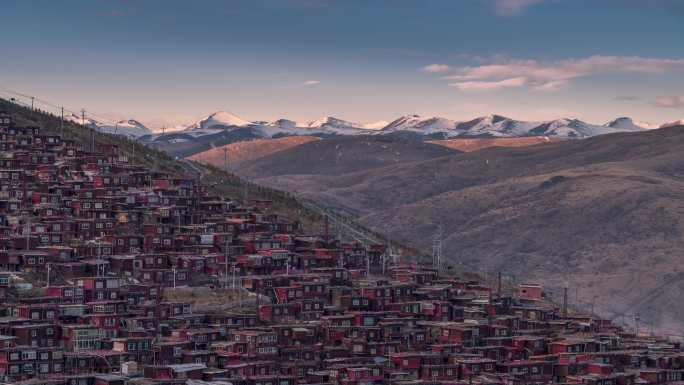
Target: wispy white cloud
(309, 83)
(436, 68)
(554, 75)
(512, 7)
(489, 85)
(669, 101)
(553, 85)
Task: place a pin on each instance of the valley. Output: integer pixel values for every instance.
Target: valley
(601, 214)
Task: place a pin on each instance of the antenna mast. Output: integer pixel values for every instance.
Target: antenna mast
(437, 250)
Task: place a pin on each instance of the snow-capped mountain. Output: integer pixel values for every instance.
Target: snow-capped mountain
(283, 123)
(330, 121)
(627, 124)
(220, 119)
(679, 122)
(485, 126)
(568, 128)
(332, 125)
(88, 122)
(415, 123)
(129, 127)
(495, 126)
(222, 127)
(379, 125)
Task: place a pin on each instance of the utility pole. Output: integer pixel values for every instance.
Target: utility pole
(636, 324)
(225, 159)
(61, 124)
(48, 275)
(498, 285)
(32, 99)
(245, 192)
(565, 302)
(437, 250)
(225, 279)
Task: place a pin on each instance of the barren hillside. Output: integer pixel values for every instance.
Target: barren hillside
(240, 152)
(345, 154)
(474, 144)
(603, 214)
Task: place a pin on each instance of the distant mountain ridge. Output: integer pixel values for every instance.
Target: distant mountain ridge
(221, 128)
(491, 125)
(130, 128)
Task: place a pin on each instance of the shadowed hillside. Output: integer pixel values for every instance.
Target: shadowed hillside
(345, 154)
(604, 214)
(474, 144)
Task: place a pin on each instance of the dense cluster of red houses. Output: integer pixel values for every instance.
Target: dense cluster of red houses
(90, 245)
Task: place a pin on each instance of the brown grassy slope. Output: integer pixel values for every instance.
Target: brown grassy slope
(246, 151)
(345, 154)
(605, 214)
(474, 144)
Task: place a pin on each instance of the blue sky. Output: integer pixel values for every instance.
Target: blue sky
(168, 62)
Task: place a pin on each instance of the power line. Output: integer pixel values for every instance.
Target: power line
(57, 108)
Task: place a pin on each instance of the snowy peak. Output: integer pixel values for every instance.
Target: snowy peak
(495, 126)
(679, 122)
(332, 122)
(404, 123)
(220, 119)
(627, 124)
(620, 122)
(418, 124)
(128, 127)
(379, 125)
(132, 122)
(565, 128)
(283, 123)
